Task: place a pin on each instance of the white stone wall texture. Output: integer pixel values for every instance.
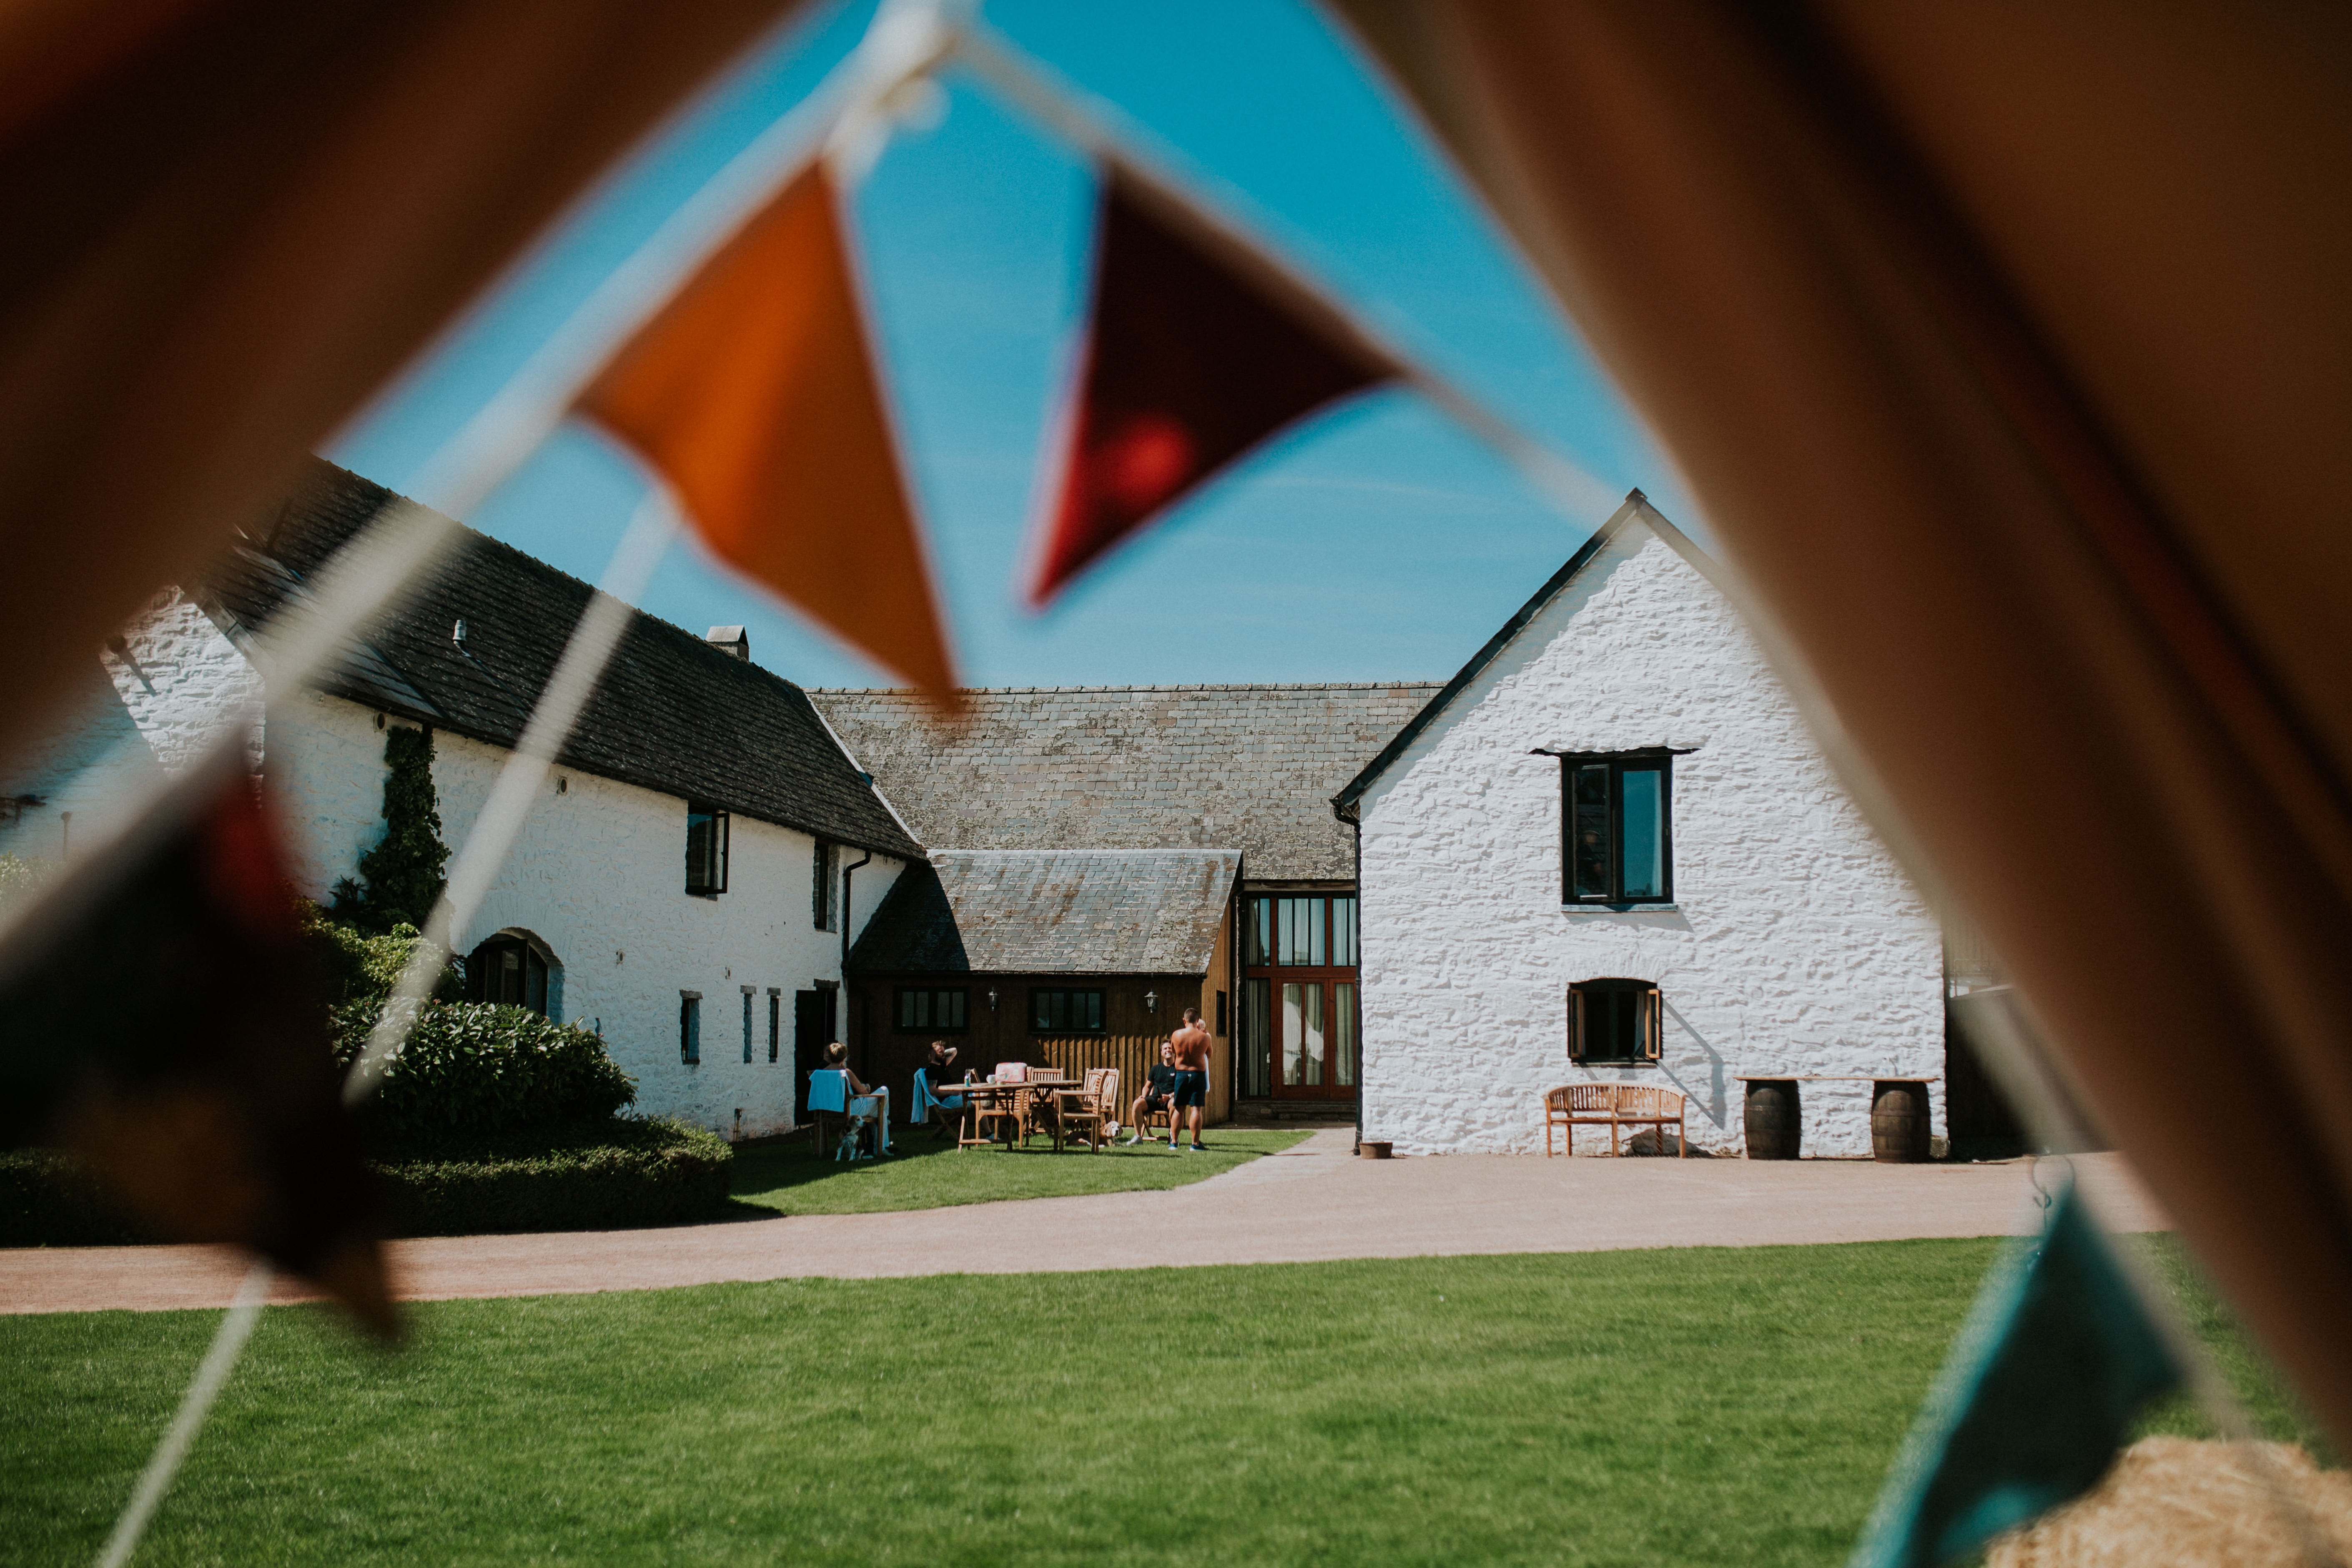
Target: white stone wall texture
(1794, 945)
(597, 875)
(153, 709)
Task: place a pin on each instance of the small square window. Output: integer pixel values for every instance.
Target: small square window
(1614, 1022)
(705, 850)
(1065, 1011)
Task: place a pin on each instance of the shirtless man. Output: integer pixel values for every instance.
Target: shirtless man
(1191, 1046)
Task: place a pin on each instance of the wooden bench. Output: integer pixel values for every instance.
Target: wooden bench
(1575, 1105)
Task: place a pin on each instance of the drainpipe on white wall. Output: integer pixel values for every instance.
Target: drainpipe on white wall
(1357, 824)
(846, 873)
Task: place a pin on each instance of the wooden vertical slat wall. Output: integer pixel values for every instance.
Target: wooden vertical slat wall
(1134, 1056)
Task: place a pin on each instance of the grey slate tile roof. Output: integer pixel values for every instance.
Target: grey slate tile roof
(1052, 912)
(1132, 767)
(672, 714)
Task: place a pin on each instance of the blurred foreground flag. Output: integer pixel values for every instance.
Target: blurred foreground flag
(2040, 1392)
(755, 394)
(1197, 350)
(159, 1018)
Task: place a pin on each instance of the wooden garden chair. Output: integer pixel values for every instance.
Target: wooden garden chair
(1085, 1110)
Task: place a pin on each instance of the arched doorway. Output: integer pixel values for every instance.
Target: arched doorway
(512, 968)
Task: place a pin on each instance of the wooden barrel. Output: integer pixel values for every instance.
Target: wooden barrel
(1898, 1122)
(1776, 1130)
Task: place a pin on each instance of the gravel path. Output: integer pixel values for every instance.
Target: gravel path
(1312, 1203)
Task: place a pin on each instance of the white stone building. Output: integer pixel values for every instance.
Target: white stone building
(1609, 850)
(681, 885)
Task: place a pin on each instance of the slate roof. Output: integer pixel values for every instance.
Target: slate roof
(672, 714)
(1132, 767)
(1083, 911)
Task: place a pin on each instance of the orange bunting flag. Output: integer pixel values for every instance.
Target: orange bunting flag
(754, 392)
(1197, 352)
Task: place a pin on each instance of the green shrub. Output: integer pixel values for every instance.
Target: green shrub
(607, 1176)
(400, 879)
(470, 1070)
(357, 968)
(50, 1199)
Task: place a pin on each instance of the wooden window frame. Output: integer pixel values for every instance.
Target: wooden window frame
(1651, 1049)
(1102, 1009)
(1654, 759)
(698, 884)
(900, 1024)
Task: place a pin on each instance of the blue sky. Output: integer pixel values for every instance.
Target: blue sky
(1379, 542)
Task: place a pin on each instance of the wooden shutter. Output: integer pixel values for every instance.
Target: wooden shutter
(1653, 1023)
(1575, 1025)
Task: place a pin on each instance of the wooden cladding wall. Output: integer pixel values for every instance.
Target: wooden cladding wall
(1131, 1041)
(1134, 1056)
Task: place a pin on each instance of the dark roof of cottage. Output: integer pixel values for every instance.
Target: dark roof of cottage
(1635, 506)
(1131, 767)
(672, 713)
(1084, 911)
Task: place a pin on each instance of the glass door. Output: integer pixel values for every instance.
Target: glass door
(1298, 996)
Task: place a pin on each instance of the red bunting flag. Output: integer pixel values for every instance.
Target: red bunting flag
(753, 391)
(1197, 352)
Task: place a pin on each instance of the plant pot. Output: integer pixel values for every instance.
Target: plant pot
(1379, 1149)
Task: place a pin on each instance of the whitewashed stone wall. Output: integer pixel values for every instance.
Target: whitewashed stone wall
(153, 708)
(1794, 945)
(598, 877)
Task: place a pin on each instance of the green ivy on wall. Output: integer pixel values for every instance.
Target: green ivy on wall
(402, 875)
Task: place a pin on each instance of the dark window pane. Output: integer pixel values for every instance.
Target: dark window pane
(955, 1001)
(1643, 858)
(1094, 1011)
(1588, 850)
(1258, 941)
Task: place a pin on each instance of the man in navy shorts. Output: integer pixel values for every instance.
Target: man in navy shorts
(1191, 1045)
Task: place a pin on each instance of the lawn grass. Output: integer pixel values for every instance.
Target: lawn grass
(1731, 1405)
(791, 1177)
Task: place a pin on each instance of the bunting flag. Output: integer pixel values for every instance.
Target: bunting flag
(2056, 1360)
(166, 1026)
(755, 394)
(1196, 351)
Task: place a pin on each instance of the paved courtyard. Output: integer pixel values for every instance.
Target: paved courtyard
(1311, 1204)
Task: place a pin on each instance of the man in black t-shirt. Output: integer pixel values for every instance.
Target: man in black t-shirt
(1156, 1096)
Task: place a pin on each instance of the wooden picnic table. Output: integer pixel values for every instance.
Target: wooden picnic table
(994, 1092)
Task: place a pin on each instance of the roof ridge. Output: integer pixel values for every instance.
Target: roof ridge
(911, 694)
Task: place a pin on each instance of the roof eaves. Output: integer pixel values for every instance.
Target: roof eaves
(1634, 505)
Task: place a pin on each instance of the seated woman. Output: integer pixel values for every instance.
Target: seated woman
(866, 1104)
(930, 1098)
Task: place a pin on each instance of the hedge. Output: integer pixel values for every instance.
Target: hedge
(48, 1199)
(470, 1070)
(611, 1176)
(608, 1176)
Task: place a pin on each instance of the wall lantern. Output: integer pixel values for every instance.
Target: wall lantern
(1151, 1001)
(992, 999)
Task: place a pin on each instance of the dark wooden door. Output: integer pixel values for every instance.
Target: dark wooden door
(812, 1032)
(1298, 995)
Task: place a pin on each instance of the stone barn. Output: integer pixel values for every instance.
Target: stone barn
(1609, 850)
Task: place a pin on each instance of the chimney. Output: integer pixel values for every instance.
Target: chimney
(730, 639)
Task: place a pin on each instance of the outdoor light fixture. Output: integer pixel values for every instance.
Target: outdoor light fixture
(1151, 1001)
(992, 1001)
